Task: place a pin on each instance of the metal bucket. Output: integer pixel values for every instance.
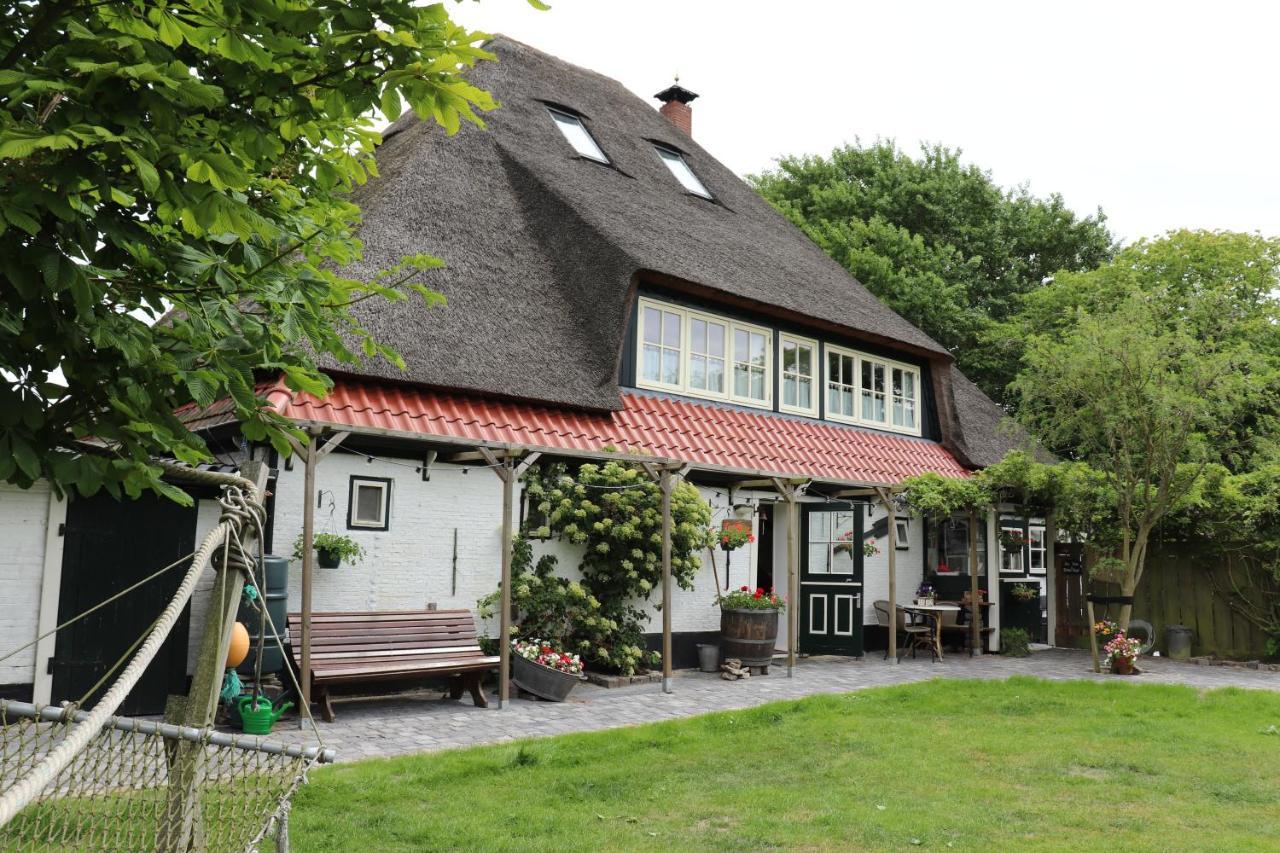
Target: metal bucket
(272, 578)
(749, 635)
(1177, 641)
(708, 657)
(542, 681)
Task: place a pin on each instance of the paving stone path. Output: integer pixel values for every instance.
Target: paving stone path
(395, 726)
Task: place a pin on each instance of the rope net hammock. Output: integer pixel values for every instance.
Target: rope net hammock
(77, 780)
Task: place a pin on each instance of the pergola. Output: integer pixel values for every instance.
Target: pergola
(509, 462)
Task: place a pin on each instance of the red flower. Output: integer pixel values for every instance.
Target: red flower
(758, 594)
(744, 589)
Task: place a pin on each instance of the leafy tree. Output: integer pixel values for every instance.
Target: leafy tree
(192, 158)
(1155, 371)
(937, 240)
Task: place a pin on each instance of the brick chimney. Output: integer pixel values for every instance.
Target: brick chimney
(675, 106)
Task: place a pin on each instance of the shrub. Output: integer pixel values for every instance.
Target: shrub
(613, 510)
(1015, 642)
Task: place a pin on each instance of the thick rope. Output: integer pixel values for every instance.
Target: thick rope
(238, 508)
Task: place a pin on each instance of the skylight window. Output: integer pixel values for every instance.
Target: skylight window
(675, 162)
(578, 135)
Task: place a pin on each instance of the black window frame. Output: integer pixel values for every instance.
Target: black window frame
(351, 502)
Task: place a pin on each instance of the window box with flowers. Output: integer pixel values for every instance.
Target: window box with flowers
(749, 625)
(539, 668)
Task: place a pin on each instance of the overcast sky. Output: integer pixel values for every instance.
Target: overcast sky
(1164, 114)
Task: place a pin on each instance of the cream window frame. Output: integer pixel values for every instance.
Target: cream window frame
(683, 386)
(889, 365)
(750, 328)
(686, 356)
(683, 350)
(853, 385)
(816, 386)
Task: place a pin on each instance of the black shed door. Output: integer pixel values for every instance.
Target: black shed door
(109, 545)
(831, 580)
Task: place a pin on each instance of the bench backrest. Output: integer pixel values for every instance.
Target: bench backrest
(447, 633)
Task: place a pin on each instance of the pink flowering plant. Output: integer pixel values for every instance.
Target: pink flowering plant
(745, 598)
(544, 653)
(1121, 647)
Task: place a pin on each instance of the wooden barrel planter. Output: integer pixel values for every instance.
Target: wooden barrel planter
(748, 635)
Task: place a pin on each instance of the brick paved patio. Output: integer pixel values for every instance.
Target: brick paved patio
(424, 722)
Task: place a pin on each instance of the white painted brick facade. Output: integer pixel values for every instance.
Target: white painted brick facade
(24, 517)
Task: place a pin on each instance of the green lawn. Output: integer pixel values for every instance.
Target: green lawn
(1015, 765)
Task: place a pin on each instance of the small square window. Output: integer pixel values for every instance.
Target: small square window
(676, 163)
(578, 136)
(369, 504)
(902, 534)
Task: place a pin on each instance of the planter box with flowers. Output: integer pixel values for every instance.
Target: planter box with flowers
(538, 668)
(1121, 652)
(749, 625)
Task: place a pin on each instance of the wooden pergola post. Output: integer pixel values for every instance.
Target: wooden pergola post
(975, 603)
(504, 464)
(311, 454)
(790, 490)
(886, 499)
(666, 477)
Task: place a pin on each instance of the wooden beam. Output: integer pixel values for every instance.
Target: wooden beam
(310, 458)
(509, 472)
(491, 455)
(331, 445)
(886, 500)
(667, 485)
(975, 605)
(790, 491)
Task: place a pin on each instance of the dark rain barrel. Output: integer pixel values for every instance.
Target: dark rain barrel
(748, 636)
(273, 580)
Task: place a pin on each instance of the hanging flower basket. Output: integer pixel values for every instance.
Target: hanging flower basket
(331, 549)
(735, 533)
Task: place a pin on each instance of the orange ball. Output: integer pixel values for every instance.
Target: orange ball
(239, 648)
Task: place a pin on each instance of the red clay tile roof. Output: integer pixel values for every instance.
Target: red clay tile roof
(705, 435)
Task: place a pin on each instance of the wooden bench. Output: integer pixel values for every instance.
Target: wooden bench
(356, 647)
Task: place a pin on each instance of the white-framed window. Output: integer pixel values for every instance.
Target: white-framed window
(577, 135)
(661, 346)
(799, 375)
(1037, 549)
(841, 376)
(675, 161)
(369, 503)
(1011, 553)
(702, 355)
(751, 359)
(708, 355)
(872, 391)
(902, 400)
(902, 534)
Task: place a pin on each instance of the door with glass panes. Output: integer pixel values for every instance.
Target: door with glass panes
(831, 580)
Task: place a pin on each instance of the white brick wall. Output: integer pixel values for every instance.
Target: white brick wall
(409, 565)
(23, 518)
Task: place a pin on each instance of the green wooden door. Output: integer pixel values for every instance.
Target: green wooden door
(831, 580)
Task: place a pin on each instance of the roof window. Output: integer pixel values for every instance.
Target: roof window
(578, 135)
(675, 162)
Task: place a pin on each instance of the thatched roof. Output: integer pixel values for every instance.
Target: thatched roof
(544, 248)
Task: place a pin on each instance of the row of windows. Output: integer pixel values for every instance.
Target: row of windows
(577, 135)
(703, 355)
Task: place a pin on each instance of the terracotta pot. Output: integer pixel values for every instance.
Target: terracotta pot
(1122, 666)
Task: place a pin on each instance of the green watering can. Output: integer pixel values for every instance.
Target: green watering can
(257, 715)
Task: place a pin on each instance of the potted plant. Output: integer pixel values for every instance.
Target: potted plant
(734, 533)
(1122, 651)
(749, 625)
(539, 668)
(1013, 540)
(1025, 592)
(331, 549)
(926, 594)
(1106, 630)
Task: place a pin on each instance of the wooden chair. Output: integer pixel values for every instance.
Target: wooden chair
(355, 647)
(909, 631)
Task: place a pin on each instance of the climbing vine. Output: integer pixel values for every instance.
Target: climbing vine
(614, 511)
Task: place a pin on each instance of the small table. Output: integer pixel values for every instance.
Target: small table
(933, 612)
